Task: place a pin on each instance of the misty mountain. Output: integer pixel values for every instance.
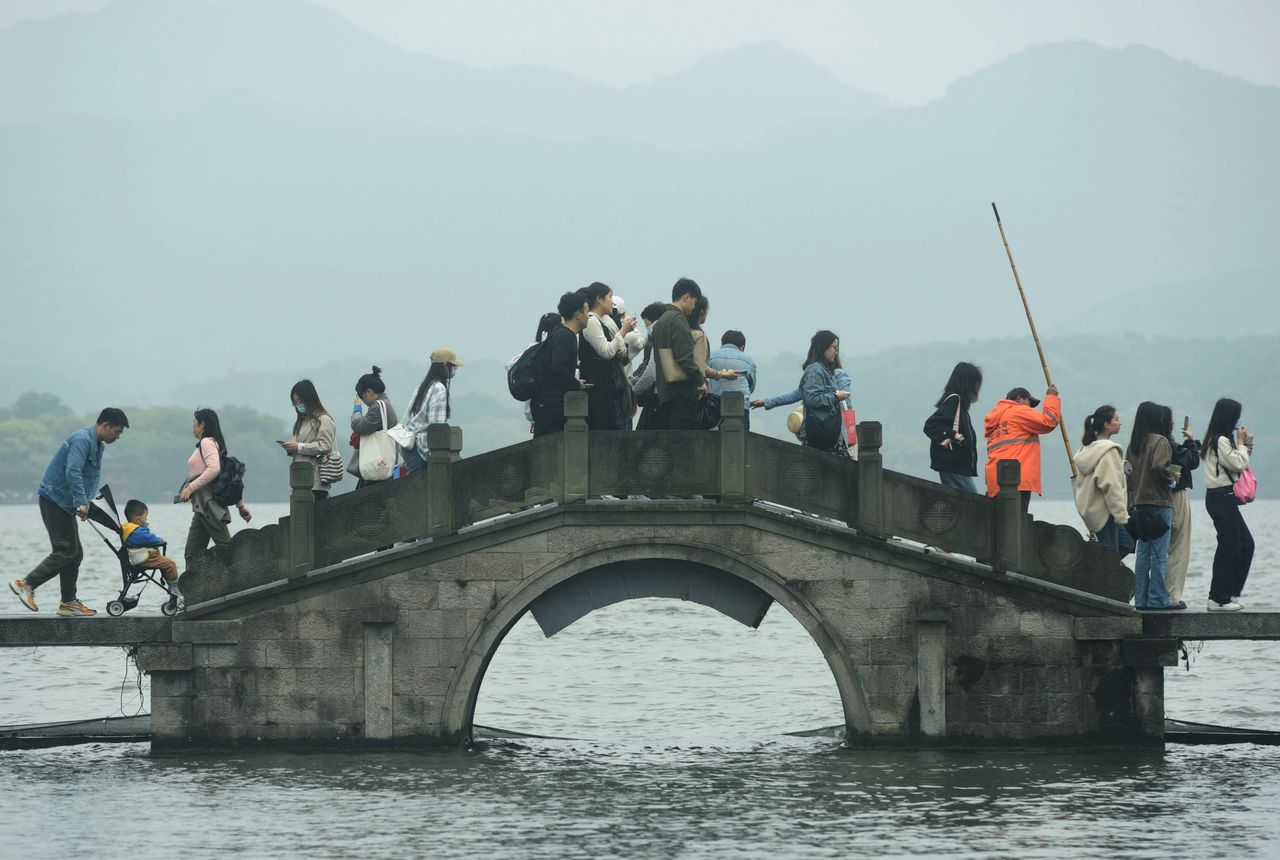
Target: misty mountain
(144, 59)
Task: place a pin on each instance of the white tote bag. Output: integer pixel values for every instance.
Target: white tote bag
(379, 453)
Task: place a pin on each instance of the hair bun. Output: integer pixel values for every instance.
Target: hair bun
(377, 371)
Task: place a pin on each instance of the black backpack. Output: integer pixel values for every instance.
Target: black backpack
(228, 487)
(525, 376)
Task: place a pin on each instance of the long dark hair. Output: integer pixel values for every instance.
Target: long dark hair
(1226, 415)
(547, 325)
(1094, 423)
(305, 391)
(701, 306)
(818, 346)
(1150, 418)
(212, 428)
(371, 382)
(965, 381)
(437, 372)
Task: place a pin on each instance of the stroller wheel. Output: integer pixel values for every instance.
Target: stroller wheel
(115, 609)
(170, 606)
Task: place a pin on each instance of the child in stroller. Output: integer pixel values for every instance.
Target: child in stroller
(141, 554)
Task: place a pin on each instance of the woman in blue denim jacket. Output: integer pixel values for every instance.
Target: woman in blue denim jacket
(823, 428)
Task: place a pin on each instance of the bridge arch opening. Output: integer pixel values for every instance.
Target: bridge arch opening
(624, 637)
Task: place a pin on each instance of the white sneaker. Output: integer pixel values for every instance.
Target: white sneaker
(1214, 606)
(1237, 599)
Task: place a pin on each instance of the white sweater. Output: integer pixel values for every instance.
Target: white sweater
(1235, 458)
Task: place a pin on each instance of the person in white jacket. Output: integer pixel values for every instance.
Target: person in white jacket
(1101, 489)
(1225, 456)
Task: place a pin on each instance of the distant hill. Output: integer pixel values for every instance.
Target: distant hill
(147, 59)
(219, 215)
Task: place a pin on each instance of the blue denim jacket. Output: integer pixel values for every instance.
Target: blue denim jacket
(843, 382)
(73, 474)
(729, 357)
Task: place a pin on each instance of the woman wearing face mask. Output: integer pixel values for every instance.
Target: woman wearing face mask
(314, 431)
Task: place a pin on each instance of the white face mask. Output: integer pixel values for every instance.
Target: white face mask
(301, 409)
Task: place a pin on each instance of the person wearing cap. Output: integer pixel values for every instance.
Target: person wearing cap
(602, 355)
(1013, 430)
(430, 405)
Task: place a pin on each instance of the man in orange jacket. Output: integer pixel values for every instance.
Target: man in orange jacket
(1013, 429)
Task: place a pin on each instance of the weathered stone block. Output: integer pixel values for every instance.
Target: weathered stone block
(325, 682)
(417, 714)
(494, 566)
(466, 595)
(344, 652)
(208, 709)
(900, 650)
(206, 632)
(325, 624)
(451, 651)
(410, 654)
(413, 593)
(265, 626)
(170, 684)
(1108, 627)
(890, 709)
(161, 657)
(294, 653)
(171, 716)
(264, 682)
(1051, 679)
(212, 682)
(1045, 623)
(432, 623)
(1004, 709)
(880, 680)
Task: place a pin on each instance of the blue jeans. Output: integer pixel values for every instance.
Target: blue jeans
(1150, 563)
(413, 461)
(1117, 537)
(960, 482)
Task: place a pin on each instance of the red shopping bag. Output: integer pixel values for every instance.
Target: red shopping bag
(850, 419)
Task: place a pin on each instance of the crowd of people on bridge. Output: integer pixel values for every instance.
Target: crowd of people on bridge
(659, 372)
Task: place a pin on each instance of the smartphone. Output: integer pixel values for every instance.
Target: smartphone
(177, 500)
(1186, 423)
(280, 441)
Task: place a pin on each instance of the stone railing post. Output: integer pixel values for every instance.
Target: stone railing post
(302, 519)
(455, 444)
(440, 457)
(1009, 519)
(733, 449)
(870, 480)
(573, 441)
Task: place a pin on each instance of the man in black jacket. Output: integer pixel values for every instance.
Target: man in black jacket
(559, 360)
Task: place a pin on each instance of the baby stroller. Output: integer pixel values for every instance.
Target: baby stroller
(103, 511)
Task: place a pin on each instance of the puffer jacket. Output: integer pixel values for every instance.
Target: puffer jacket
(1013, 432)
(1101, 489)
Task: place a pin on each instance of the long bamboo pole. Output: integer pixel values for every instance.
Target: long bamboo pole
(1044, 365)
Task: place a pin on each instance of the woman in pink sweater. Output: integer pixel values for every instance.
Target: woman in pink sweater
(209, 519)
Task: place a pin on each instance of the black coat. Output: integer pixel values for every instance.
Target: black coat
(1186, 455)
(960, 458)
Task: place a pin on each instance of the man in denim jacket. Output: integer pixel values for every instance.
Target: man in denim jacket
(69, 484)
(730, 356)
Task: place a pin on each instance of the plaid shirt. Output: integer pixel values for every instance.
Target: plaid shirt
(434, 410)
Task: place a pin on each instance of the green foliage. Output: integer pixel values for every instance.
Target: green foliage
(149, 461)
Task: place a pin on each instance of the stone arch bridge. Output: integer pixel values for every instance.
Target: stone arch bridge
(306, 632)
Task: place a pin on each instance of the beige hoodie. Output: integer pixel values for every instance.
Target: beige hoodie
(1100, 485)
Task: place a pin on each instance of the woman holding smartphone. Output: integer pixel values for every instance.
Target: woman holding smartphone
(314, 431)
(1226, 453)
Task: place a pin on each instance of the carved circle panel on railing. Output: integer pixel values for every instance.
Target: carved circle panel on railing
(800, 477)
(508, 477)
(655, 463)
(1062, 548)
(253, 552)
(939, 515)
(372, 517)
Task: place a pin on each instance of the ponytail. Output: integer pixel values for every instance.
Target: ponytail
(1094, 423)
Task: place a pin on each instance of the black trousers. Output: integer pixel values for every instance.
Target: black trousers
(678, 413)
(548, 416)
(1234, 556)
(64, 561)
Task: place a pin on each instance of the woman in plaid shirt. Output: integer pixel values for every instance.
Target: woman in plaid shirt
(430, 405)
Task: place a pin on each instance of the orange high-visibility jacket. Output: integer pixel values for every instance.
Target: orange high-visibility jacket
(1013, 430)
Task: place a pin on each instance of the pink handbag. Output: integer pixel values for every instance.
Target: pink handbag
(850, 419)
(1245, 487)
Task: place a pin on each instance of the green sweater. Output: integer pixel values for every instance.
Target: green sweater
(678, 372)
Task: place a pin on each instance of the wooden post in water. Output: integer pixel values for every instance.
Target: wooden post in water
(870, 479)
(573, 441)
(1009, 517)
(733, 449)
(302, 518)
(440, 457)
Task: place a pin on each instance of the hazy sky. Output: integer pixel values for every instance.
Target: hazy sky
(908, 50)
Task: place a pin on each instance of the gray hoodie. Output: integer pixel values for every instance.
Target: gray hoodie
(1101, 489)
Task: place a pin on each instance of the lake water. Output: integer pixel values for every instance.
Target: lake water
(673, 719)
